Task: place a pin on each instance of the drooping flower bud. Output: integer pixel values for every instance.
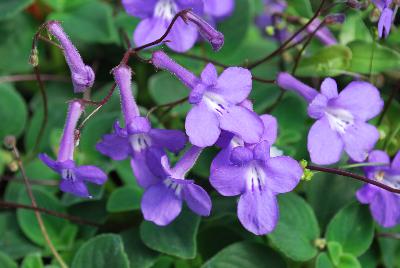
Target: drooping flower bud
(288, 82)
(215, 38)
(82, 75)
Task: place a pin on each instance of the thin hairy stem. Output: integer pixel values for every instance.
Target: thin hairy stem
(354, 176)
(6, 204)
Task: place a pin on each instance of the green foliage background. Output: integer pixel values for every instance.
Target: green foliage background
(321, 224)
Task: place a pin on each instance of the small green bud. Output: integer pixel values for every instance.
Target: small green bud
(320, 243)
(307, 174)
(34, 57)
(270, 30)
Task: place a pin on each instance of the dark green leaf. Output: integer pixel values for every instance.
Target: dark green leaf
(297, 229)
(300, 7)
(10, 8)
(102, 251)
(6, 261)
(125, 199)
(245, 254)
(13, 112)
(177, 239)
(323, 261)
(353, 228)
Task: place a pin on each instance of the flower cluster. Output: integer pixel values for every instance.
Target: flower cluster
(248, 165)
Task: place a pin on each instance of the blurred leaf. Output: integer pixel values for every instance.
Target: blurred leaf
(354, 29)
(328, 61)
(13, 112)
(32, 261)
(335, 251)
(139, 255)
(176, 239)
(245, 254)
(389, 247)
(11, 8)
(323, 261)
(300, 7)
(12, 240)
(106, 250)
(372, 57)
(60, 230)
(60, 5)
(371, 258)
(353, 228)
(126, 198)
(15, 46)
(348, 261)
(6, 261)
(92, 23)
(296, 230)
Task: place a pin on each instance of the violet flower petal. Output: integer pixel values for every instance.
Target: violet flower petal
(173, 140)
(149, 30)
(329, 88)
(219, 9)
(91, 174)
(144, 176)
(139, 8)
(229, 180)
(160, 205)
(234, 84)
(197, 199)
(114, 146)
(77, 188)
(324, 144)
(385, 22)
(258, 211)
(182, 36)
(283, 174)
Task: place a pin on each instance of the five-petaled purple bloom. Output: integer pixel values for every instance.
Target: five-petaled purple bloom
(163, 198)
(384, 205)
(82, 75)
(341, 118)
(73, 177)
(216, 102)
(386, 18)
(251, 171)
(138, 137)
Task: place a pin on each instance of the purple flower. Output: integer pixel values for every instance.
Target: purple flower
(73, 177)
(341, 118)
(384, 205)
(156, 16)
(82, 75)
(162, 200)
(218, 9)
(215, 38)
(257, 177)
(216, 102)
(386, 18)
(138, 137)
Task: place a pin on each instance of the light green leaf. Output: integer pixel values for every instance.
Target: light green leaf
(373, 58)
(245, 255)
(297, 229)
(300, 7)
(353, 228)
(335, 252)
(349, 261)
(126, 198)
(102, 251)
(328, 61)
(323, 261)
(177, 239)
(32, 261)
(354, 29)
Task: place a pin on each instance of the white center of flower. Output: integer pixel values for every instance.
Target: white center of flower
(175, 187)
(339, 119)
(274, 152)
(68, 174)
(393, 180)
(255, 177)
(140, 142)
(215, 103)
(166, 9)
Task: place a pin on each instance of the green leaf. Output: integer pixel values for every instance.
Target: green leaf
(353, 228)
(348, 261)
(126, 198)
(177, 239)
(328, 61)
(16, 45)
(245, 254)
(372, 58)
(354, 29)
(12, 240)
(165, 88)
(106, 250)
(389, 247)
(60, 5)
(323, 261)
(11, 8)
(297, 229)
(13, 112)
(300, 7)
(92, 23)
(61, 232)
(6, 261)
(139, 255)
(335, 252)
(32, 261)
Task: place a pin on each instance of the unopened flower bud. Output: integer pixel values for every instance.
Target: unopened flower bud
(34, 57)
(215, 38)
